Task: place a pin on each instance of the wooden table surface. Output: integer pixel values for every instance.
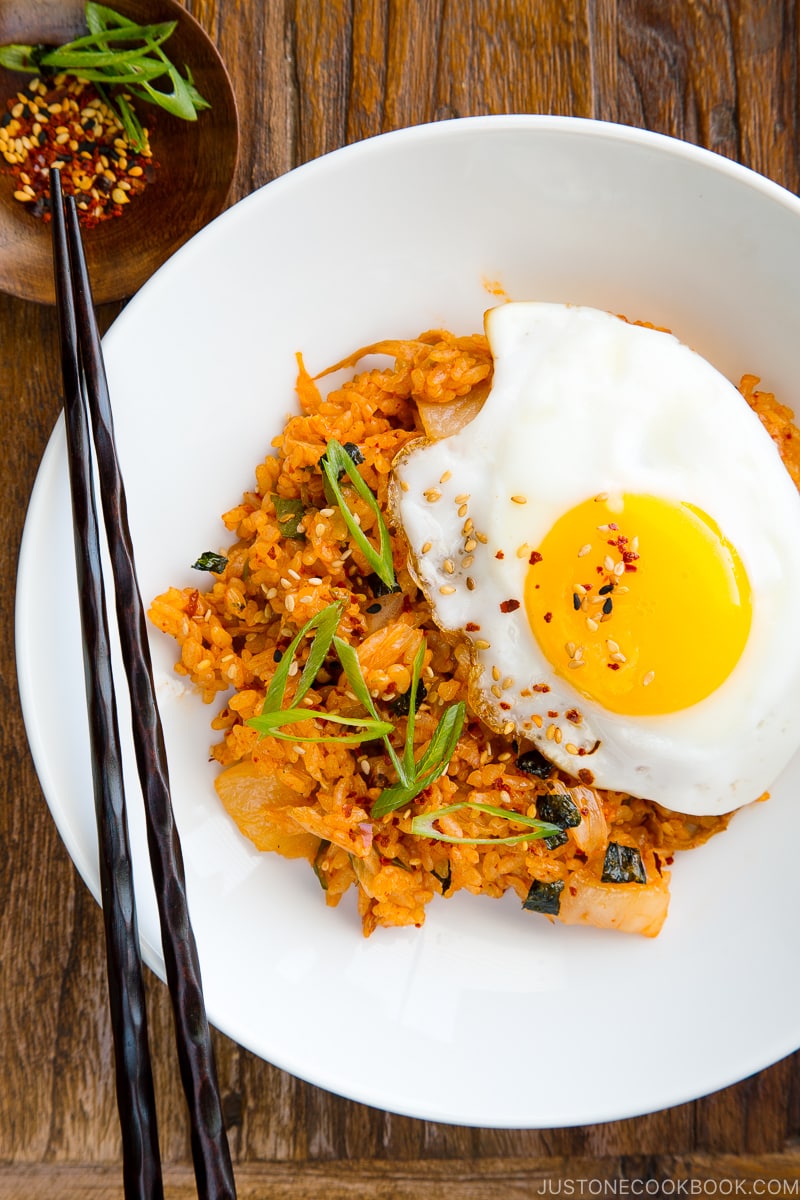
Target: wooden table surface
(311, 75)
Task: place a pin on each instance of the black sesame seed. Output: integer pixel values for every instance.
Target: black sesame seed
(607, 607)
(576, 601)
(277, 656)
(374, 608)
(603, 591)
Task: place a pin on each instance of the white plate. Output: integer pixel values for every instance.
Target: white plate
(488, 1015)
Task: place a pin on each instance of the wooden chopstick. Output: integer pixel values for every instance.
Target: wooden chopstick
(86, 400)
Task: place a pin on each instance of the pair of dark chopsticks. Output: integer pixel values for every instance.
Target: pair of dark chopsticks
(87, 407)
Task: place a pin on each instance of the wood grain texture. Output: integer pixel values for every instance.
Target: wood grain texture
(310, 77)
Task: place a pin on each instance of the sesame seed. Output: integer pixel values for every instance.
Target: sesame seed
(592, 625)
(449, 566)
(462, 499)
(558, 736)
(550, 733)
(403, 485)
(495, 673)
(570, 649)
(470, 545)
(443, 478)
(462, 512)
(496, 691)
(519, 499)
(482, 644)
(326, 512)
(574, 663)
(426, 547)
(571, 748)
(432, 495)
(523, 551)
(469, 525)
(613, 646)
(289, 602)
(584, 550)
(470, 583)
(608, 563)
(648, 679)
(293, 574)
(537, 720)
(467, 561)
(508, 728)
(619, 657)
(482, 538)
(507, 683)
(619, 569)
(319, 528)
(601, 496)
(446, 590)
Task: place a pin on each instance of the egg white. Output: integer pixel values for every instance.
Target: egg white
(582, 403)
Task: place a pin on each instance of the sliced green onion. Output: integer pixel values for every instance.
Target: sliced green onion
(423, 825)
(336, 461)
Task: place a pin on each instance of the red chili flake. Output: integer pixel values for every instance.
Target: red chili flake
(586, 776)
(548, 616)
(500, 554)
(552, 713)
(67, 125)
(193, 601)
(541, 687)
(535, 558)
(629, 556)
(508, 606)
(613, 666)
(504, 705)
(472, 627)
(574, 716)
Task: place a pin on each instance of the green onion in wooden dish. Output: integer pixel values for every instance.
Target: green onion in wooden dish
(123, 59)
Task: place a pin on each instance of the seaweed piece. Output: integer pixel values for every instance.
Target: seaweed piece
(532, 762)
(209, 561)
(290, 513)
(558, 810)
(623, 864)
(555, 840)
(544, 897)
(378, 587)
(401, 705)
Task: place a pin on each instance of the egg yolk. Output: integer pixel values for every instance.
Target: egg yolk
(641, 603)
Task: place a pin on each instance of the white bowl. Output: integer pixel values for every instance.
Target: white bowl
(486, 1016)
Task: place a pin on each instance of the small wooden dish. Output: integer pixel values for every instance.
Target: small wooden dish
(196, 160)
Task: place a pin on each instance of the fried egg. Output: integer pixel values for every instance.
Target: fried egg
(616, 536)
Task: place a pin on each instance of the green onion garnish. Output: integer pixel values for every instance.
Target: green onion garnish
(273, 716)
(117, 52)
(336, 462)
(423, 825)
(412, 777)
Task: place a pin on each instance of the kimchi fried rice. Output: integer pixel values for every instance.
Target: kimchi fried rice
(291, 558)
